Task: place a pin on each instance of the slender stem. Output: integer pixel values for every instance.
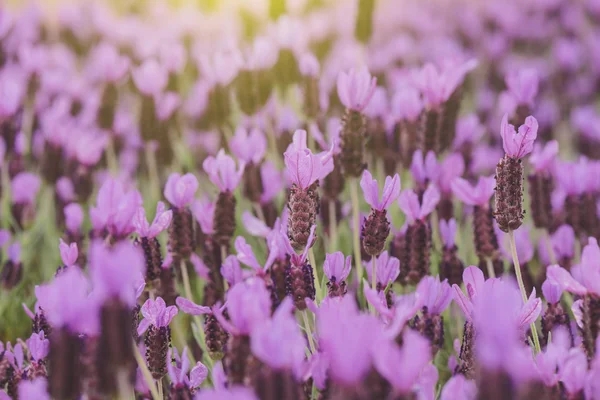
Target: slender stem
(549, 246)
(517, 265)
(356, 228)
(332, 226)
(145, 372)
(313, 263)
(311, 342)
(150, 157)
(373, 273)
(223, 253)
(186, 281)
(160, 389)
(490, 267)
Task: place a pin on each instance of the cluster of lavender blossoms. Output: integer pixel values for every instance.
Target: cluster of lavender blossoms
(300, 200)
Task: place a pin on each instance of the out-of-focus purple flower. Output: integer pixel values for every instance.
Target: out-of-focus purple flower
(468, 130)
(248, 146)
(542, 158)
(191, 308)
(255, 226)
(105, 64)
(245, 255)
(115, 208)
(518, 145)
(378, 106)
(13, 87)
(552, 291)
(180, 190)
(204, 211)
(38, 346)
(248, 306)
(573, 371)
(335, 267)
(73, 217)
(549, 361)
(303, 167)
(221, 171)
(166, 104)
(387, 267)
(474, 196)
(309, 65)
(156, 313)
(459, 388)
(24, 188)
(278, 342)
(523, 244)
(436, 295)
(442, 174)
(117, 272)
(448, 232)
(68, 253)
(5, 237)
(409, 203)
(438, 85)
(178, 372)
(233, 393)
(150, 78)
(231, 270)
(391, 190)
(160, 223)
(407, 104)
(523, 85)
(272, 182)
(417, 166)
(65, 189)
(14, 252)
(34, 389)
(355, 88)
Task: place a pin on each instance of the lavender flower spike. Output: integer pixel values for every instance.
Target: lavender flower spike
(157, 317)
(518, 145)
(160, 223)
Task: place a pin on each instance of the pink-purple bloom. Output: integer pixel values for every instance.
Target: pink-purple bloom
(436, 295)
(68, 253)
(409, 203)
(387, 269)
(391, 191)
(335, 267)
(303, 167)
(156, 313)
(160, 223)
(478, 195)
(24, 188)
(355, 88)
(222, 172)
(180, 190)
(523, 85)
(518, 144)
(448, 232)
(248, 146)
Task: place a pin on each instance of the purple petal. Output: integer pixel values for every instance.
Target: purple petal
(191, 308)
(370, 189)
(391, 191)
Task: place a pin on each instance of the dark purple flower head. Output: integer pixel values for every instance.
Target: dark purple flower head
(68, 253)
(180, 190)
(24, 188)
(436, 295)
(518, 145)
(355, 88)
(303, 167)
(178, 371)
(336, 267)
(117, 272)
(391, 191)
(248, 147)
(409, 203)
(156, 313)
(474, 196)
(160, 223)
(115, 208)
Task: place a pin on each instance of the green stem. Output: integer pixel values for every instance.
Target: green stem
(160, 389)
(517, 265)
(373, 273)
(356, 228)
(313, 263)
(311, 342)
(490, 267)
(186, 281)
(146, 373)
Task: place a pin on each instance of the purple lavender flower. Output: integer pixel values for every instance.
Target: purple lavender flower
(157, 314)
(248, 147)
(518, 145)
(157, 317)
(182, 378)
(24, 188)
(160, 223)
(409, 203)
(337, 270)
(115, 209)
(355, 88)
(180, 190)
(388, 269)
(478, 195)
(73, 217)
(221, 171)
(34, 389)
(68, 253)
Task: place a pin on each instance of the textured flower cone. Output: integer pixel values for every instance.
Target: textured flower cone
(467, 352)
(89, 368)
(5, 368)
(64, 381)
(215, 337)
(115, 347)
(590, 324)
(497, 265)
(270, 212)
(451, 267)
(417, 253)
(157, 341)
(83, 182)
(135, 322)
(352, 143)
(303, 206)
(278, 276)
(299, 284)
(445, 208)
(554, 316)
(181, 235)
(253, 184)
(432, 327)
(449, 116)
(214, 290)
(408, 139)
(270, 285)
(312, 105)
(224, 219)
(324, 213)
(152, 256)
(495, 385)
(333, 183)
(236, 359)
(429, 132)
(573, 214)
(108, 103)
(151, 128)
(590, 223)
(336, 289)
(274, 385)
(165, 286)
(486, 242)
(52, 163)
(12, 387)
(180, 392)
(40, 323)
(509, 194)
(11, 274)
(540, 192)
(375, 230)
